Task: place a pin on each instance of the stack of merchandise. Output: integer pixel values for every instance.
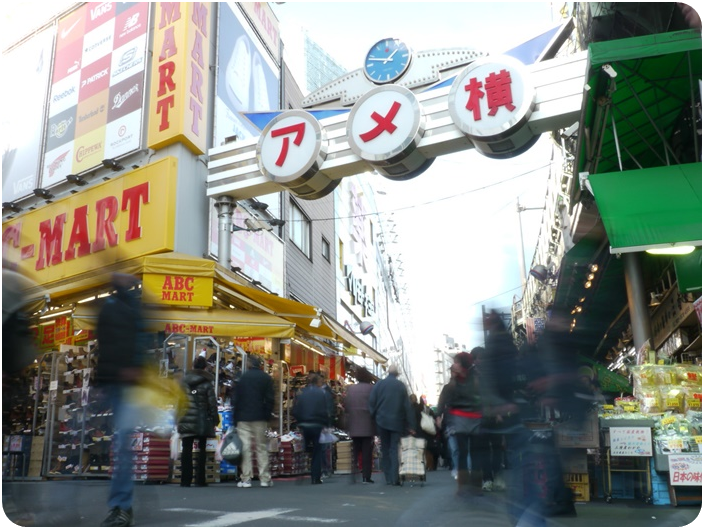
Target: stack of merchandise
(212, 467)
(150, 457)
(293, 458)
(344, 464)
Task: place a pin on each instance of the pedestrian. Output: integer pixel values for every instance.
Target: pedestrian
(460, 403)
(120, 363)
(502, 386)
(313, 411)
(419, 407)
(390, 407)
(252, 408)
(360, 426)
(199, 421)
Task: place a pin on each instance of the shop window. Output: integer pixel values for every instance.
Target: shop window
(299, 229)
(326, 249)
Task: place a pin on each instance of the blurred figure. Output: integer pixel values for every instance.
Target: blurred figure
(419, 407)
(120, 363)
(17, 341)
(199, 421)
(18, 351)
(460, 403)
(501, 383)
(253, 405)
(390, 408)
(490, 447)
(360, 425)
(313, 410)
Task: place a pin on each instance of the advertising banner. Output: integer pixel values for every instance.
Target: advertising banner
(180, 75)
(97, 88)
(127, 217)
(247, 79)
(23, 107)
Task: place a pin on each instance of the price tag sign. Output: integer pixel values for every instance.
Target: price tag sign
(631, 441)
(53, 385)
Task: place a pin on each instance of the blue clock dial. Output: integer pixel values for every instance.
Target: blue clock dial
(386, 61)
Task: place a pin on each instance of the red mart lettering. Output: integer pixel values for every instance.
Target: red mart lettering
(177, 288)
(170, 14)
(51, 235)
(189, 328)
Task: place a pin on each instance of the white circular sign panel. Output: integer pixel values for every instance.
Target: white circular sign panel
(384, 123)
(291, 147)
(492, 98)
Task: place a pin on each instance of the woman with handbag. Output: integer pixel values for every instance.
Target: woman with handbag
(199, 421)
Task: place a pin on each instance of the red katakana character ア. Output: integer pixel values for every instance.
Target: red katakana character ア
(298, 129)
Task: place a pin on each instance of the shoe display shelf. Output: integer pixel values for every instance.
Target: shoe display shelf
(151, 460)
(343, 457)
(80, 422)
(26, 401)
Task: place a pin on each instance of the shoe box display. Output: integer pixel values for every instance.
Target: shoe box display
(343, 457)
(212, 467)
(151, 459)
(293, 458)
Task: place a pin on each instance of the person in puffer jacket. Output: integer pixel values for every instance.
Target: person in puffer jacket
(199, 421)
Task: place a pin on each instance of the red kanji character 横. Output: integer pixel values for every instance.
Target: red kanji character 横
(474, 88)
(498, 89)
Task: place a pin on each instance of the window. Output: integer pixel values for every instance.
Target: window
(326, 249)
(299, 229)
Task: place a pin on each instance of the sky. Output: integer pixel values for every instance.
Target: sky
(457, 223)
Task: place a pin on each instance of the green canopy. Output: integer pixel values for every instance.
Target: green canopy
(648, 207)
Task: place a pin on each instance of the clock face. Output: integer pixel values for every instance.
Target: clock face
(386, 61)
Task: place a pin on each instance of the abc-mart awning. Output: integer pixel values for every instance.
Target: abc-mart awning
(258, 313)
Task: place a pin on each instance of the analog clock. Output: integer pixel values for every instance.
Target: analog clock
(386, 61)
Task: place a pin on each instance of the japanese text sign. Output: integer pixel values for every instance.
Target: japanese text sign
(685, 469)
(631, 441)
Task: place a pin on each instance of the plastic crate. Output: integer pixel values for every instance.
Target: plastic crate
(580, 490)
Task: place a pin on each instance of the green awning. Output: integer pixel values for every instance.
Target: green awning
(625, 124)
(650, 207)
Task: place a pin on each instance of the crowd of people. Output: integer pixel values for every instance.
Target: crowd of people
(477, 430)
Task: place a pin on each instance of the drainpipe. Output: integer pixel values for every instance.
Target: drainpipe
(637, 303)
(225, 205)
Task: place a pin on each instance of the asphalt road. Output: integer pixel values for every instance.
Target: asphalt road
(294, 502)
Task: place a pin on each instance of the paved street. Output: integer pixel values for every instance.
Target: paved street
(297, 503)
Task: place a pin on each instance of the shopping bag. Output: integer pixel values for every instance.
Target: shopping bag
(326, 436)
(427, 424)
(174, 445)
(231, 447)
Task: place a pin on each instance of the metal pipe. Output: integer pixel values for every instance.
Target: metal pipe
(637, 302)
(225, 206)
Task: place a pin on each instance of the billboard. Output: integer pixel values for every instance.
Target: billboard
(247, 79)
(97, 88)
(22, 114)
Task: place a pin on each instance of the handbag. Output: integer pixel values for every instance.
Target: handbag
(230, 447)
(427, 424)
(174, 445)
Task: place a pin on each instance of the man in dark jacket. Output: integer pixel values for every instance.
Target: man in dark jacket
(253, 405)
(313, 411)
(199, 421)
(390, 407)
(119, 366)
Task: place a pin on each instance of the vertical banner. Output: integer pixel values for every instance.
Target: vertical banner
(247, 81)
(23, 108)
(180, 75)
(97, 88)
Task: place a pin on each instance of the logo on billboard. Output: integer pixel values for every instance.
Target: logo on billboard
(58, 130)
(57, 163)
(120, 98)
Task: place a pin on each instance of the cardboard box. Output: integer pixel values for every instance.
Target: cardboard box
(574, 460)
